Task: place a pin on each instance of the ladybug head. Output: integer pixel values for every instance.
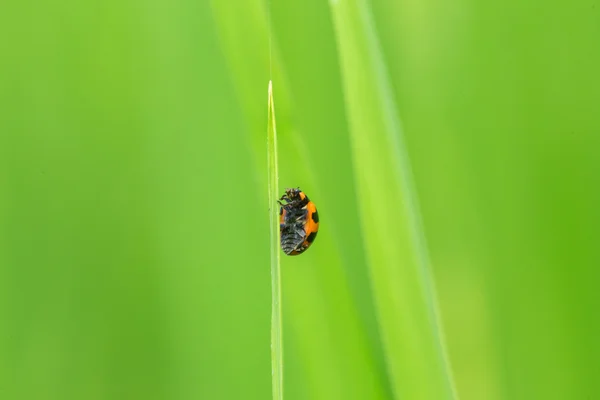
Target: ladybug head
(293, 196)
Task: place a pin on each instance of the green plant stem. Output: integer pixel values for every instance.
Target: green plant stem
(273, 188)
(396, 250)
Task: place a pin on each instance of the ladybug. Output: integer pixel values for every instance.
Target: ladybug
(298, 222)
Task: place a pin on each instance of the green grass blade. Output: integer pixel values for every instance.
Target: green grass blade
(396, 249)
(319, 360)
(273, 187)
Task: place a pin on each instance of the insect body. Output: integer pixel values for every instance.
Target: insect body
(298, 222)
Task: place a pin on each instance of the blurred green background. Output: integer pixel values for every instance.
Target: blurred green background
(134, 220)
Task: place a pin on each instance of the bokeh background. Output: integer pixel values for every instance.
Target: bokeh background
(133, 213)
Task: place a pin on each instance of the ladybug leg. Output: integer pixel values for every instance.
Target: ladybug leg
(300, 231)
(302, 215)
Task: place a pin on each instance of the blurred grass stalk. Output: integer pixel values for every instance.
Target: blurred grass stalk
(396, 249)
(273, 187)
